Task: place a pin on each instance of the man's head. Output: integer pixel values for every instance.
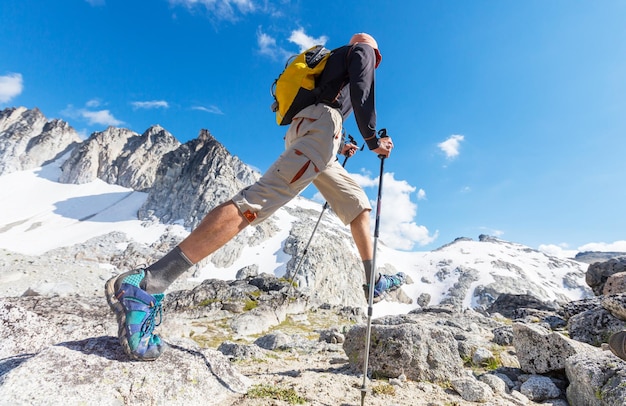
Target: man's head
(364, 38)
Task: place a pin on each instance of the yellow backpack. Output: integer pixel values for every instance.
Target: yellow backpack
(295, 88)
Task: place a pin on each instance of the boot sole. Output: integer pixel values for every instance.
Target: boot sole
(385, 293)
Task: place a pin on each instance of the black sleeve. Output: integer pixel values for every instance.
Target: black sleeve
(361, 68)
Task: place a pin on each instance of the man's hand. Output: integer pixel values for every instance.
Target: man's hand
(348, 149)
(385, 145)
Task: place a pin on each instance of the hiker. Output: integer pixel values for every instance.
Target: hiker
(312, 141)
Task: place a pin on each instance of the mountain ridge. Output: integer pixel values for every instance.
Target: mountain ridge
(174, 184)
(470, 302)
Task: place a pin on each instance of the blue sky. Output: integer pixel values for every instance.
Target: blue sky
(508, 117)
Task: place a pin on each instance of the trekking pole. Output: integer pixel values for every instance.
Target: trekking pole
(306, 248)
(370, 302)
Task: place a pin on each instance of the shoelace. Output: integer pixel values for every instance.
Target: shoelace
(387, 282)
(150, 322)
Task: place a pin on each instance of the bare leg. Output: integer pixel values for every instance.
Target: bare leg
(360, 228)
(131, 302)
(361, 234)
(218, 227)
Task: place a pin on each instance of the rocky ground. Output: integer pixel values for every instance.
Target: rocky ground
(52, 274)
(291, 365)
(304, 371)
(54, 317)
(325, 379)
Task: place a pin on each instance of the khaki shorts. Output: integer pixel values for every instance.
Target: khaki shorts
(311, 146)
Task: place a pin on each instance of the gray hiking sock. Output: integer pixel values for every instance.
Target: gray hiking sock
(161, 274)
(367, 266)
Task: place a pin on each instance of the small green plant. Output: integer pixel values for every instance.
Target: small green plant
(289, 395)
(504, 320)
(444, 384)
(490, 365)
(288, 281)
(207, 302)
(384, 389)
(493, 363)
(255, 293)
(599, 394)
(249, 305)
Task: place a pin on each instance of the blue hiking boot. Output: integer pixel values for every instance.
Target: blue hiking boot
(137, 313)
(385, 284)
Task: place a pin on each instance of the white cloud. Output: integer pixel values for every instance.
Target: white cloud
(93, 117)
(267, 44)
(210, 109)
(451, 146)
(563, 250)
(152, 104)
(364, 179)
(304, 41)
(221, 9)
(398, 228)
(421, 194)
(559, 251)
(103, 117)
(96, 3)
(11, 85)
(83, 134)
(93, 103)
(616, 246)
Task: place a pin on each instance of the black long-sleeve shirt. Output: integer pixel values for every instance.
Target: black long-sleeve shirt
(347, 83)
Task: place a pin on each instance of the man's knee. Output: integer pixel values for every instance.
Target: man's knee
(362, 217)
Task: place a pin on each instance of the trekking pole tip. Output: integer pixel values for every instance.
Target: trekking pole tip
(364, 391)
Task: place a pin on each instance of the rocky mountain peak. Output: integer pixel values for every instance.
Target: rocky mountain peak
(16, 117)
(204, 135)
(94, 158)
(119, 156)
(479, 302)
(184, 181)
(29, 140)
(157, 134)
(194, 178)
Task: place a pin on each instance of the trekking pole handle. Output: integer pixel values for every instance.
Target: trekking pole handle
(382, 133)
(352, 141)
(347, 153)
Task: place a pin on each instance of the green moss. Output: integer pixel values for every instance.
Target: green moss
(249, 305)
(491, 365)
(384, 389)
(255, 294)
(215, 334)
(504, 320)
(289, 282)
(315, 321)
(599, 394)
(289, 395)
(444, 384)
(207, 302)
(306, 326)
